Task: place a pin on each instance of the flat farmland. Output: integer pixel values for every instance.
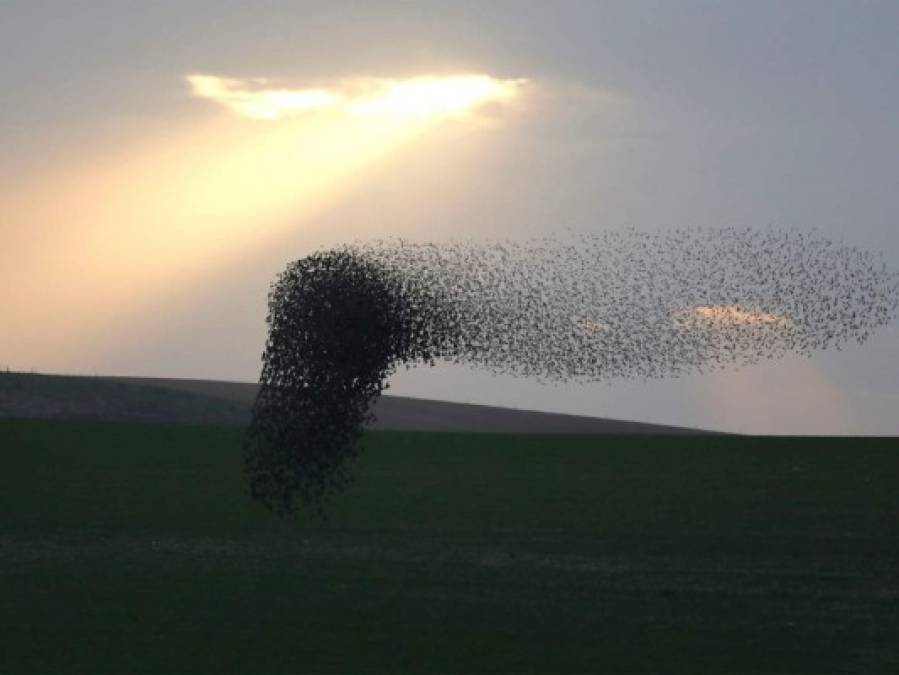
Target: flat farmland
(129, 547)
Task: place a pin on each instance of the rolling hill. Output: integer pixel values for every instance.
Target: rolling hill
(186, 401)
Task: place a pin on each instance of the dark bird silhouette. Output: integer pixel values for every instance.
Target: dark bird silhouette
(588, 308)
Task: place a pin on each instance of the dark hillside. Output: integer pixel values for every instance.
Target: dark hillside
(145, 399)
(31, 395)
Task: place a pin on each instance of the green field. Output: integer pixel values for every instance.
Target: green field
(133, 548)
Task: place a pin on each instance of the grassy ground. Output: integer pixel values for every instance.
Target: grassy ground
(132, 548)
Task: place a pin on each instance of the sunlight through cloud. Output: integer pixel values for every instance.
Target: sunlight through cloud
(413, 98)
(159, 215)
(731, 315)
(265, 104)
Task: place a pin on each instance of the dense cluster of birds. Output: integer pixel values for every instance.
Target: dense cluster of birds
(621, 304)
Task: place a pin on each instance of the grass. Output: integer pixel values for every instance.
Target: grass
(132, 548)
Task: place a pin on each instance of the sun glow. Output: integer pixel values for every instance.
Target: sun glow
(731, 315)
(131, 226)
(410, 98)
(267, 104)
(428, 96)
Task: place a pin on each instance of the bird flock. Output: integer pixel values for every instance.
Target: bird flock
(583, 308)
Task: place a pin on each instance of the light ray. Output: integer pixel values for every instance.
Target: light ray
(106, 236)
(408, 98)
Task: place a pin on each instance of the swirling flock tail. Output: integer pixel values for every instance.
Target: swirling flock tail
(588, 308)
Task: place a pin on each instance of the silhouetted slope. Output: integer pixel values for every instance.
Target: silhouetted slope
(217, 402)
(29, 395)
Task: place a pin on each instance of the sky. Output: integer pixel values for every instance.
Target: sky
(164, 161)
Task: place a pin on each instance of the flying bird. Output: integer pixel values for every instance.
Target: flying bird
(580, 309)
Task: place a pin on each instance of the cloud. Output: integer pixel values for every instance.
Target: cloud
(240, 97)
(730, 315)
(590, 327)
(415, 97)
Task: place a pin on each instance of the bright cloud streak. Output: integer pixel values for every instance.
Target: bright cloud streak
(426, 96)
(101, 240)
(731, 315)
(413, 98)
(265, 104)
(590, 327)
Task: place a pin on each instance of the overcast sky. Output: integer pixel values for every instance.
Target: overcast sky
(141, 223)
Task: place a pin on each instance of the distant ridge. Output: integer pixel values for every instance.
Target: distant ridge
(32, 395)
(189, 401)
(417, 414)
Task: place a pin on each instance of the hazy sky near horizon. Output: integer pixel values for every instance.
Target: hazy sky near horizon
(142, 224)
